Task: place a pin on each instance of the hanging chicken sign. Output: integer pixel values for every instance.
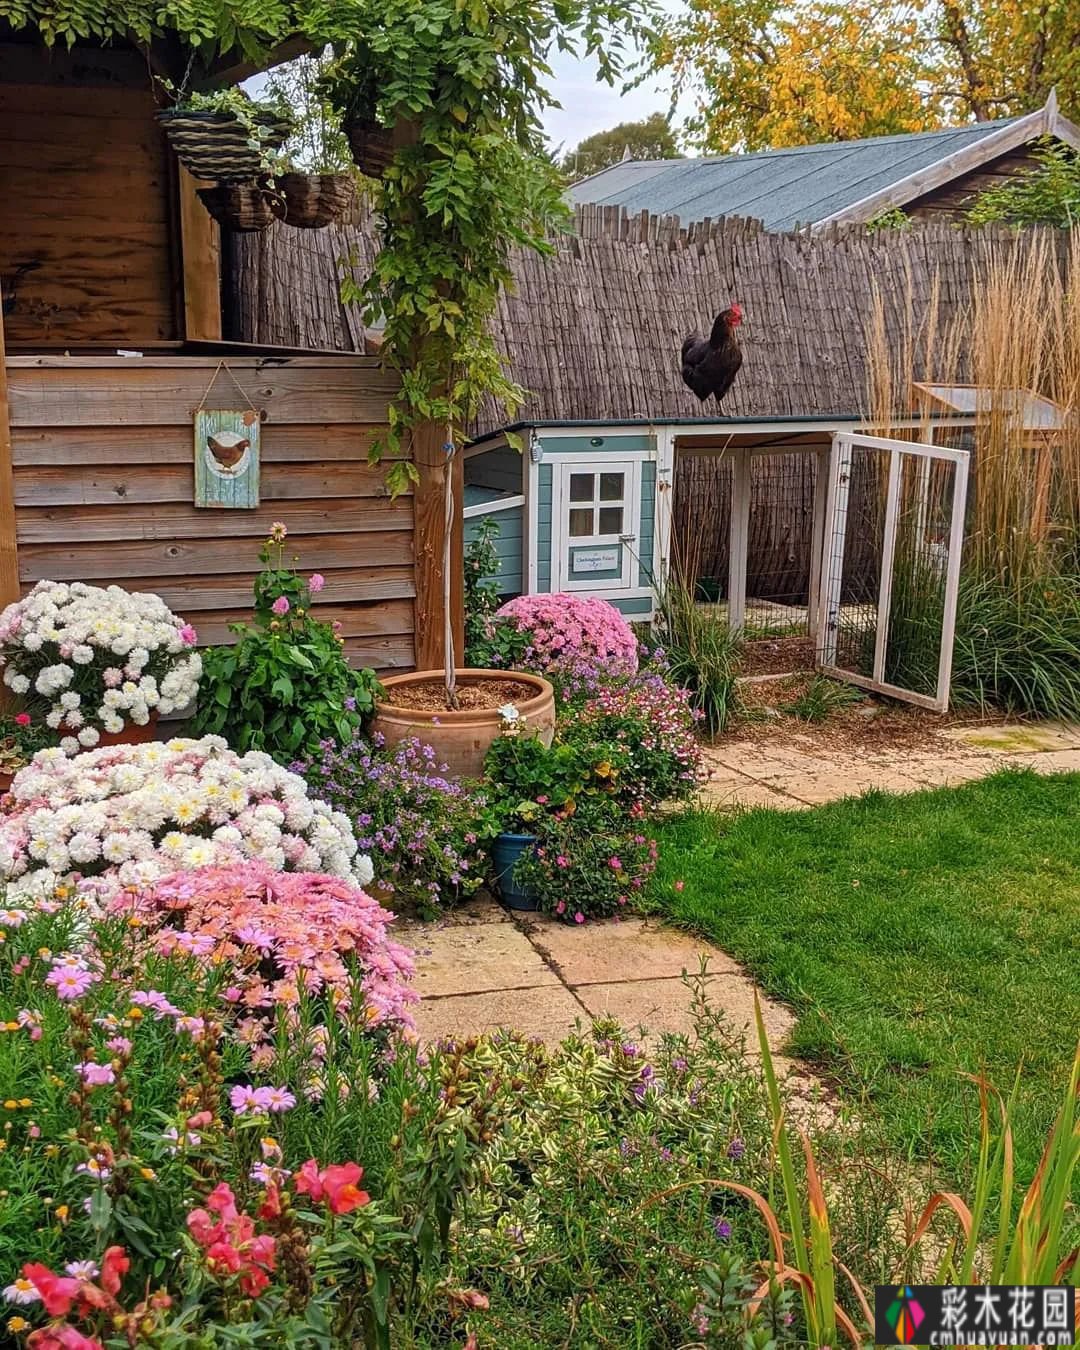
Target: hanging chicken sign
(227, 459)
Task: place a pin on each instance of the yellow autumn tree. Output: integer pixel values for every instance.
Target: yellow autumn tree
(824, 70)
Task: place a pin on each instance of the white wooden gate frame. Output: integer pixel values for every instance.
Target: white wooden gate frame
(832, 564)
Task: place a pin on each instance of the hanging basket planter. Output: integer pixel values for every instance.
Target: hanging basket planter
(245, 208)
(311, 201)
(217, 145)
(372, 145)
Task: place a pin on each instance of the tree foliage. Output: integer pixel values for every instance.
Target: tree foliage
(318, 143)
(822, 70)
(1048, 195)
(651, 138)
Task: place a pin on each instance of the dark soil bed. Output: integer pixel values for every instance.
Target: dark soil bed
(471, 695)
(777, 656)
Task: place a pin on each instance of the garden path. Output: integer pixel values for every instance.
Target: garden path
(481, 968)
(803, 767)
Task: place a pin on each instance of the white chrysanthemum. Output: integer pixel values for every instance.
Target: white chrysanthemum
(138, 811)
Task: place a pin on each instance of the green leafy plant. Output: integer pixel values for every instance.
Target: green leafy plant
(1047, 195)
(21, 738)
(895, 218)
(482, 594)
(285, 686)
(591, 864)
(529, 781)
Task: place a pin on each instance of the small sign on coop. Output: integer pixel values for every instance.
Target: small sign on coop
(596, 560)
(227, 458)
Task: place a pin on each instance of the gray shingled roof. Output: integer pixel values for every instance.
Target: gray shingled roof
(782, 188)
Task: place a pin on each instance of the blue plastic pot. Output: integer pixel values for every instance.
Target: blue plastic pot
(505, 852)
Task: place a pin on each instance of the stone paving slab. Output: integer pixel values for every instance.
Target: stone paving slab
(664, 1005)
(1052, 761)
(478, 958)
(736, 790)
(630, 949)
(549, 1012)
(1018, 738)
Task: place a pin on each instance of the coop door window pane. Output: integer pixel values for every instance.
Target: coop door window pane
(581, 487)
(611, 487)
(611, 520)
(581, 523)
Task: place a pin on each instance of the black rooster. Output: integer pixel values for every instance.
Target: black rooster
(710, 367)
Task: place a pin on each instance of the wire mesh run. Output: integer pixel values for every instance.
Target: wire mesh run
(893, 534)
(779, 537)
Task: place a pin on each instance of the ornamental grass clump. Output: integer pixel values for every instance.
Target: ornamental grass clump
(575, 640)
(128, 815)
(425, 830)
(89, 660)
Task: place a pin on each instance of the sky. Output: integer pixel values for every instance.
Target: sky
(589, 106)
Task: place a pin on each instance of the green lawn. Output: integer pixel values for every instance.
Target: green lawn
(918, 937)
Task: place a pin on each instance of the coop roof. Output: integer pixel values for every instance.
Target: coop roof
(816, 184)
(1035, 412)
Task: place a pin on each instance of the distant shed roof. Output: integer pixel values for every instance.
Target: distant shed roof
(812, 184)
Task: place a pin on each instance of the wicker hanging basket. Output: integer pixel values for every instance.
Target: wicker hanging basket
(372, 145)
(217, 145)
(245, 208)
(312, 200)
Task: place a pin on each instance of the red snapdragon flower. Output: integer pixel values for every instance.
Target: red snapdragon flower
(62, 1337)
(335, 1184)
(58, 1292)
(115, 1264)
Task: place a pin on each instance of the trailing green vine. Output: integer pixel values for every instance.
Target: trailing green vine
(474, 183)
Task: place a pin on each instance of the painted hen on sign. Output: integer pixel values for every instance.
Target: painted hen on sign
(709, 365)
(228, 448)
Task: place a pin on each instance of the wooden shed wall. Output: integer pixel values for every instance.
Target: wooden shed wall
(87, 190)
(102, 460)
(953, 201)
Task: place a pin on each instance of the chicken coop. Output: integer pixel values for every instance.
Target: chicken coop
(816, 517)
(607, 508)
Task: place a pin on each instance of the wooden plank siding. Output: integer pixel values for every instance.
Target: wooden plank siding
(102, 483)
(88, 184)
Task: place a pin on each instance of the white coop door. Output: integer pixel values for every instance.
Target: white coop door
(595, 509)
(894, 531)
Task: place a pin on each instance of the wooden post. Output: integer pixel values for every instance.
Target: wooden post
(739, 540)
(429, 516)
(817, 542)
(200, 258)
(9, 553)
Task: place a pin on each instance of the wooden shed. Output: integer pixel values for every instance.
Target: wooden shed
(111, 339)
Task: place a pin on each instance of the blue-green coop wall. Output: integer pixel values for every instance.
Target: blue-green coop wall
(509, 577)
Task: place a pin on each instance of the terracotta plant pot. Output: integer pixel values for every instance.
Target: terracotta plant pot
(462, 739)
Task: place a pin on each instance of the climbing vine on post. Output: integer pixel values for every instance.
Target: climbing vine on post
(470, 181)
